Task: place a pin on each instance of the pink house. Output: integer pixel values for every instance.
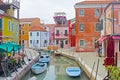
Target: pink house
(51, 32)
(61, 30)
(112, 26)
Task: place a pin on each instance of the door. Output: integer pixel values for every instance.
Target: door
(61, 44)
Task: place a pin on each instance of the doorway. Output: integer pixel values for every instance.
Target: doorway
(61, 44)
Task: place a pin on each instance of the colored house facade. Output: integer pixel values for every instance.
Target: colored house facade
(51, 33)
(9, 24)
(37, 37)
(26, 24)
(71, 24)
(87, 25)
(61, 30)
(112, 26)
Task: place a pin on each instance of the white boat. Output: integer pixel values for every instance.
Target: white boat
(32, 78)
(38, 68)
(44, 58)
(73, 71)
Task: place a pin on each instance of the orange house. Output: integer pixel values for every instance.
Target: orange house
(26, 24)
(87, 24)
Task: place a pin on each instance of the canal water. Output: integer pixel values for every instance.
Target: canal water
(56, 70)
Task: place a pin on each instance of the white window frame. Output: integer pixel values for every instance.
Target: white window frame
(80, 27)
(80, 12)
(83, 43)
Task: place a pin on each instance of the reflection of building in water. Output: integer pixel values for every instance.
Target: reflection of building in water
(61, 63)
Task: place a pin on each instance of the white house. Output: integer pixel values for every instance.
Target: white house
(37, 37)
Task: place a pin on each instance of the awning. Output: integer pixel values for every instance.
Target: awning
(101, 39)
(116, 37)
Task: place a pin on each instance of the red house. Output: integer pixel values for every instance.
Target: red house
(71, 25)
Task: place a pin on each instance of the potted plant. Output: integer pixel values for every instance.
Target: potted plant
(114, 72)
(2, 55)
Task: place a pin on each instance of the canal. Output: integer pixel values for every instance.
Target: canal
(56, 70)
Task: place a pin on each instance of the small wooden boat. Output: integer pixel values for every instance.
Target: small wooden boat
(38, 68)
(73, 71)
(57, 54)
(44, 58)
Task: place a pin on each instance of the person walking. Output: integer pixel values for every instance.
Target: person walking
(100, 50)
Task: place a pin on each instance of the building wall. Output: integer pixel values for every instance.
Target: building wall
(61, 36)
(89, 34)
(25, 28)
(113, 27)
(34, 39)
(1, 28)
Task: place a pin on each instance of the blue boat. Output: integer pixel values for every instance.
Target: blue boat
(73, 71)
(38, 68)
(44, 58)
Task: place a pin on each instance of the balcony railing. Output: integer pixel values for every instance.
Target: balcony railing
(57, 34)
(65, 34)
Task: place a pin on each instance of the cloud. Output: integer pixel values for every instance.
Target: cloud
(44, 9)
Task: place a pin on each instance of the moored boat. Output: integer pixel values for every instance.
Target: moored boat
(57, 54)
(38, 68)
(44, 58)
(73, 71)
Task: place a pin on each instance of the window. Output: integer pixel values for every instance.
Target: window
(37, 33)
(30, 41)
(81, 42)
(8, 25)
(17, 28)
(119, 18)
(30, 33)
(81, 13)
(22, 25)
(57, 41)
(119, 46)
(0, 24)
(57, 31)
(37, 41)
(97, 26)
(66, 42)
(97, 13)
(22, 32)
(12, 27)
(29, 24)
(22, 41)
(81, 27)
(66, 32)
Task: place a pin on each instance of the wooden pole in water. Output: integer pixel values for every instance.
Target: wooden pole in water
(92, 70)
(97, 69)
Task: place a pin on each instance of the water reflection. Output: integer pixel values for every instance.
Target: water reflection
(56, 70)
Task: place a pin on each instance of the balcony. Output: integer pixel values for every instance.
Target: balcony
(57, 34)
(65, 34)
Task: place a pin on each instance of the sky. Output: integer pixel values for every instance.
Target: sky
(45, 9)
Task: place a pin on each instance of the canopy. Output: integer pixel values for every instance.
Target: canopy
(10, 46)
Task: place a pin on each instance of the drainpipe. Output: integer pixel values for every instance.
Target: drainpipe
(113, 16)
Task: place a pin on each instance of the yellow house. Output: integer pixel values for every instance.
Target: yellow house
(10, 29)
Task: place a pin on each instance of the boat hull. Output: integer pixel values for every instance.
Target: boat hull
(73, 71)
(36, 69)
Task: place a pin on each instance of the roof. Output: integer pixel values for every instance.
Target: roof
(50, 25)
(95, 2)
(37, 28)
(27, 19)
